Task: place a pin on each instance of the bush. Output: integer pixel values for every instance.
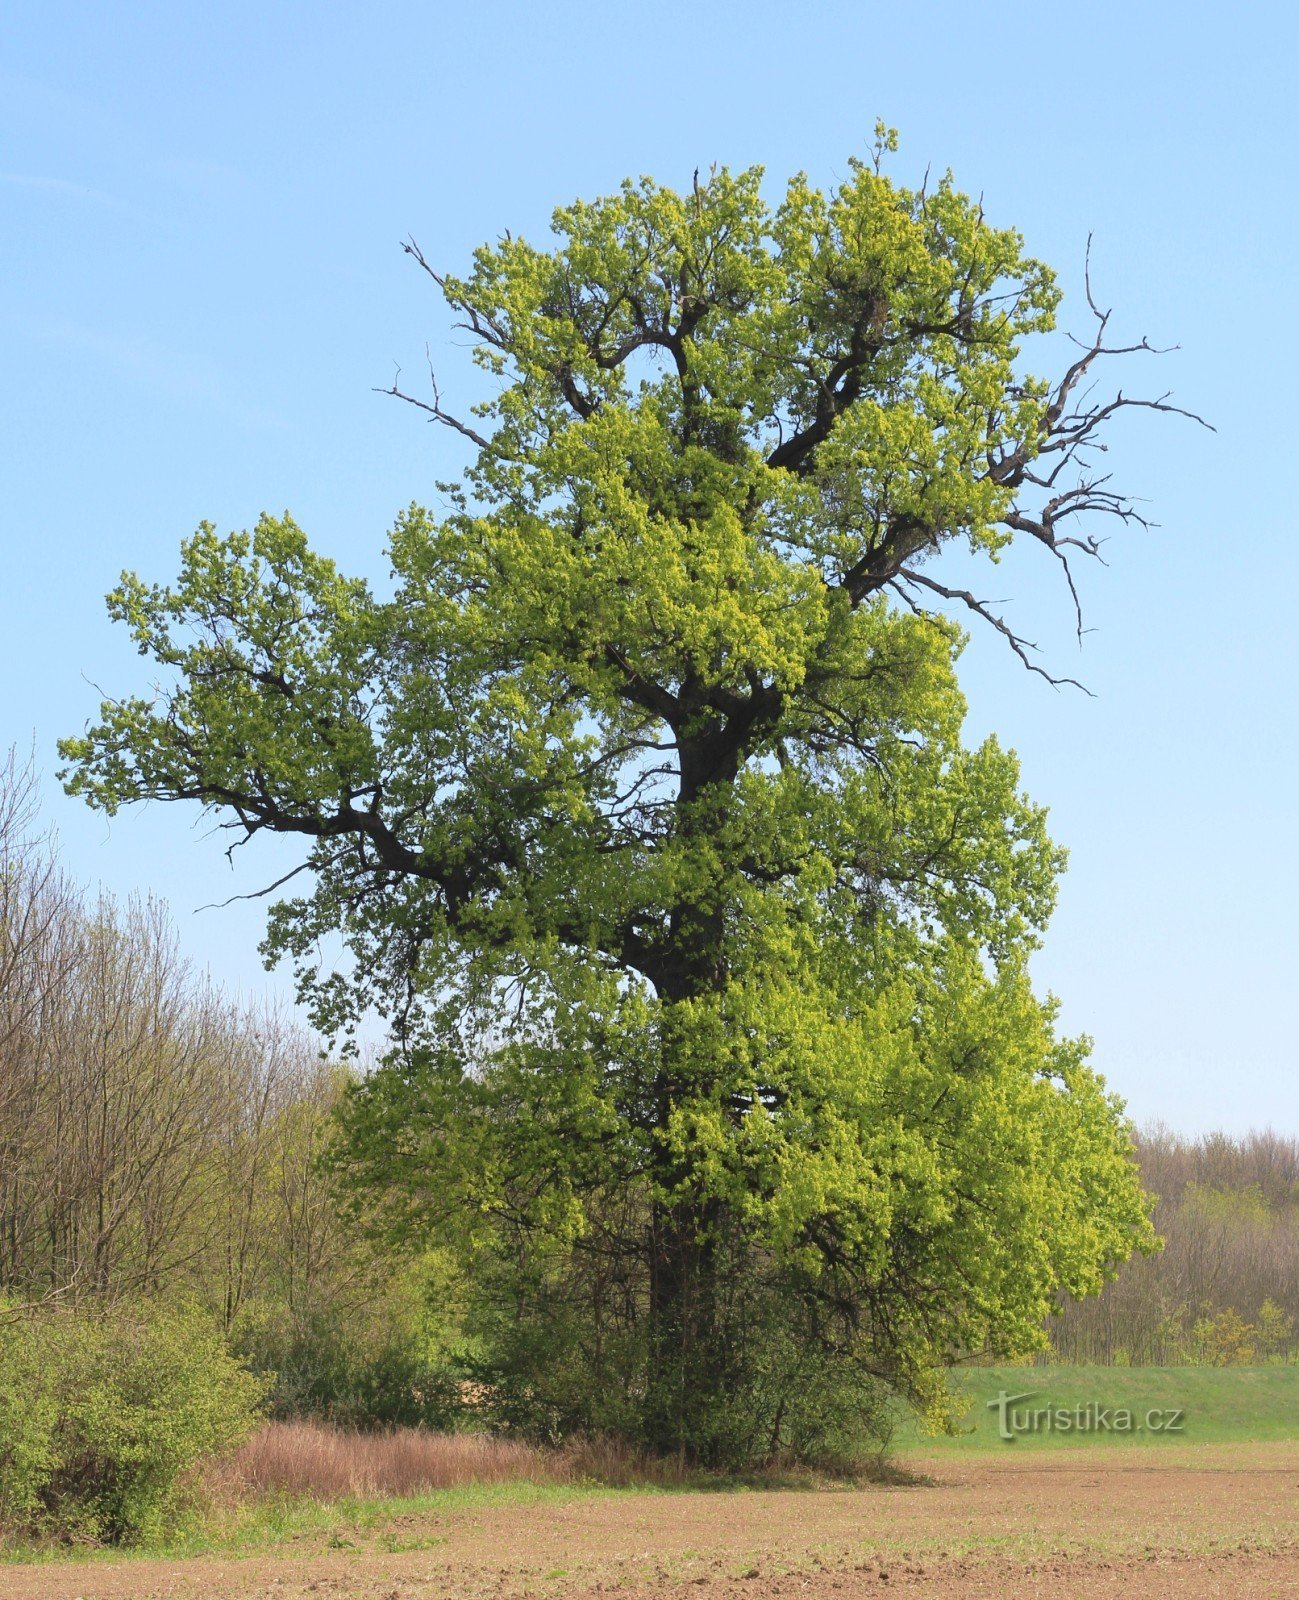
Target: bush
(104, 1415)
(318, 1367)
(1224, 1340)
(553, 1356)
(28, 1421)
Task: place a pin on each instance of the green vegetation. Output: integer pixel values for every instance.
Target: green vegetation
(1241, 1405)
(643, 810)
(307, 1524)
(158, 1142)
(104, 1417)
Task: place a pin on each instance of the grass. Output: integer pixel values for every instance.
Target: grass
(306, 1486)
(302, 1487)
(1220, 1405)
(328, 1463)
(293, 1459)
(309, 1485)
(303, 1525)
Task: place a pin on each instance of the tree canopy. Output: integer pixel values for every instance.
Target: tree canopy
(643, 808)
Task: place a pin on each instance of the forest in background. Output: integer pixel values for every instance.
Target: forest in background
(1224, 1290)
(158, 1139)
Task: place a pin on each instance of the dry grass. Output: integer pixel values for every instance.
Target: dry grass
(318, 1461)
(323, 1462)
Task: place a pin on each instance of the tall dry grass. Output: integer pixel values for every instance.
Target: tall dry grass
(318, 1461)
(324, 1462)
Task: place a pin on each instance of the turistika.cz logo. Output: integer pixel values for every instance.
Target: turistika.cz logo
(1015, 1418)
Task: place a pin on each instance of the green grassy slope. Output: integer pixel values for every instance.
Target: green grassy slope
(1221, 1405)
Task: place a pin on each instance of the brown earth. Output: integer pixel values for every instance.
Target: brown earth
(1211, 1521)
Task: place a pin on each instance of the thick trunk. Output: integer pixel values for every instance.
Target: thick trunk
(687, 1354)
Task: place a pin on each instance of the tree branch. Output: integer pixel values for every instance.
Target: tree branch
(981, 608)
(435, 409)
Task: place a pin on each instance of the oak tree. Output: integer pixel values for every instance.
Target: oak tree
(642, 806)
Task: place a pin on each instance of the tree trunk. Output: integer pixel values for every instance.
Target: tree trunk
(686, 1346)
(685, 1366)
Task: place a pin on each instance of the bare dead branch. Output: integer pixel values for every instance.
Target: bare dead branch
(435, 408)
(982, 608)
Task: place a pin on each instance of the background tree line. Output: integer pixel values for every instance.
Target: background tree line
(160, 1139)
(1225, 1288)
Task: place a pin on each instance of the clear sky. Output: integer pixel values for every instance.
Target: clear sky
(202, 284)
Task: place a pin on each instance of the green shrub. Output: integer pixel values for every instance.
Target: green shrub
(315, 1365)
(105, 1414)
(553, 1355)
(1224, 1340)
(28, 1421)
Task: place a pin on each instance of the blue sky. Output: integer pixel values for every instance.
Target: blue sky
(202, 209)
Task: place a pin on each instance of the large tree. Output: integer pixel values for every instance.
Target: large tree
(643, 810)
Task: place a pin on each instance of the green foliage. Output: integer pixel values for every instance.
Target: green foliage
(105, 1414)
(1275, 1331)
(1224, 1340)
(978, 1142)
(643, 808)
(28, 1421)
(323, 1365)
(557, 1349)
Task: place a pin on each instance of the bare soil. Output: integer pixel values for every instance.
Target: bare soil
(1206, 1521)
